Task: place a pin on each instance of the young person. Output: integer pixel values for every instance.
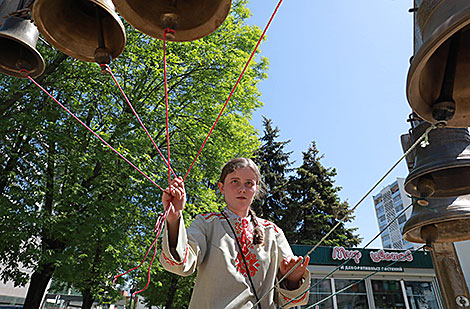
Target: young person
(238, 257)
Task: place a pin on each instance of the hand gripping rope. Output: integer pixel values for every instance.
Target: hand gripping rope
(162, 216)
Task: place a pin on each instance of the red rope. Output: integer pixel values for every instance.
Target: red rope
(158, 229)
(89, 129)
(108, 69)
(167, 30)
(162, 217)
(234, 87)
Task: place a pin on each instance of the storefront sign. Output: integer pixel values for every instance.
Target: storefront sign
(381, 255)
(366, 257)
(371, 268)
(340, 253)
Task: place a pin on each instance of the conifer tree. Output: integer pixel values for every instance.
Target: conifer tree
(315, 205)
(274, 166)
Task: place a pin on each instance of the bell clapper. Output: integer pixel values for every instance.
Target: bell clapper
(102, 53)
(429, 233)
(444, 107)
(169, 21)
(426, 187)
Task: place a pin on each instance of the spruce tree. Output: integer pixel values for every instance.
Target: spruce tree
(315, 205)
(274, 166)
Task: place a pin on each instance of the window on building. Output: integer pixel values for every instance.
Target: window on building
(399, 207)
(353, 297)
(382, 219)
(378, 200)
(387, 294)
(397, 199)
(421, 295)
(401, 219)
(394, 188)
(320, 290)
(385, 238)
(380, 209)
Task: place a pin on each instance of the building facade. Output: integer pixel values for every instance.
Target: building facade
(370, 278)
(389, 203)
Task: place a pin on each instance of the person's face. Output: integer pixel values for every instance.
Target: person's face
(239, 189)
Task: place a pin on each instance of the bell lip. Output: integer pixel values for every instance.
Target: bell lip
(32, 49)
(442, 33)
(69, 52)
(412, 233)
(414, 174)
(181, 36)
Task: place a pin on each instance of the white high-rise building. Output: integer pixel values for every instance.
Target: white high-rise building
(389, 203)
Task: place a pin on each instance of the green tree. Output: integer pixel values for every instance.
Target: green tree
(274, 166)
(315, 205)
(69, 206)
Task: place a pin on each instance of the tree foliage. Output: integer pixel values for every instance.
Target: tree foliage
(72, 208)
(274, 165)
(303, 201)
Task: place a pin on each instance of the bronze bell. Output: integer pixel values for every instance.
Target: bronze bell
(191, 19)
(18, 38)
(437, 85)
(442, 168)
(443, 220)
(88, 30)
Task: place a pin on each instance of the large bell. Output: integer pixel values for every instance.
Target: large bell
(441, 169)
(88, 30)
(18, 38)
(191, 19)
(443, 220)
(437, 85)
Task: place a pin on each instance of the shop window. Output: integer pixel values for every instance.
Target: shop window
(352, 298)
(387, 294)
(320, 290)
(421, 295)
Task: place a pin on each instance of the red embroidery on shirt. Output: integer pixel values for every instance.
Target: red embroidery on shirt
(267, 223)
(211, 215)
(252, 262)
(173, 262)
(246, 241)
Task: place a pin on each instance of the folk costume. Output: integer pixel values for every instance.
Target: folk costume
(208, 245)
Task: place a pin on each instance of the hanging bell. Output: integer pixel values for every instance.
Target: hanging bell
(443, 220)
(437, 85)
(18, 38)
(191, 19)
(88, 30)
(442, 168)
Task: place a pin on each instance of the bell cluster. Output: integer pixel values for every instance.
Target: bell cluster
(92, 31)
(438, 90)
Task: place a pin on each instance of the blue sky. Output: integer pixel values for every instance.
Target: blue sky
(338, 76)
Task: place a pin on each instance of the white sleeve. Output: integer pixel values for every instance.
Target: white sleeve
(191, 248)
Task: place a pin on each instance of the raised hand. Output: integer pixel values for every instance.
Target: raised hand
(175, 198)
(293, 280)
